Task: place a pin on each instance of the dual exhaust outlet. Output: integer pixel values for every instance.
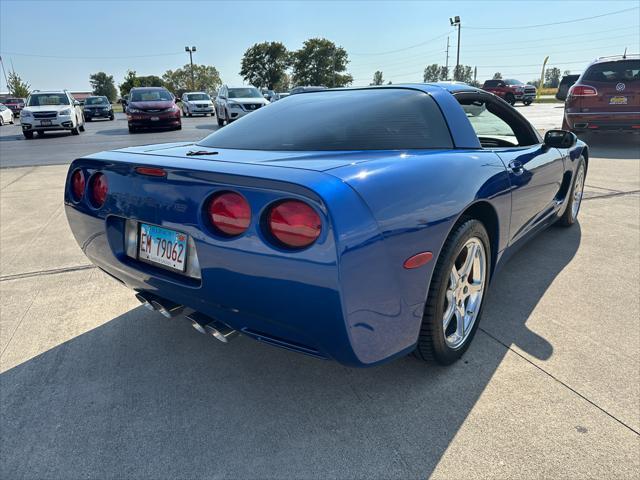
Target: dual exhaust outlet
(199, 321)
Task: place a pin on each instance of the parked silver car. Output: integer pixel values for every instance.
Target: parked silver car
(235, 102)
(198, 103)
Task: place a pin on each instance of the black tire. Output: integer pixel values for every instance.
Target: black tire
(81, 127)
(431, 346)
(112, 117)
(510, 99)
(40, 133)
(1, 121)
(28, 135)
(179, 127)
(568, 218)
(75, 131)
(220, 122)
(132, 129)
(528, 102)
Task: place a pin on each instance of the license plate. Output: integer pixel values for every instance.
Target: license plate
(618, 101)
(45, 123)
(162, 246)
(155, 119)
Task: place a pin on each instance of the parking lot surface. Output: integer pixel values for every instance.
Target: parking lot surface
(94, 386)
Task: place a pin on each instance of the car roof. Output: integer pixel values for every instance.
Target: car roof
(189, 93)
(616, 58)
(148, 88)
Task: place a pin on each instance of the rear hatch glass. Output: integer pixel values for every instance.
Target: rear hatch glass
(617, 83)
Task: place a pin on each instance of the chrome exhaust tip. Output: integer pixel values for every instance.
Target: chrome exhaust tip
(165, 307)
(209, 326)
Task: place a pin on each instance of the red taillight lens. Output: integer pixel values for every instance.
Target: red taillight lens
(98, 189)
(582, 91)
(230, 213)
(294, 223)
(77, 185)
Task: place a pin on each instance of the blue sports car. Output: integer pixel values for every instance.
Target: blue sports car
(356, 224)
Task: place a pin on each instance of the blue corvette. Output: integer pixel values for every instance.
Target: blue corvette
(356, 225)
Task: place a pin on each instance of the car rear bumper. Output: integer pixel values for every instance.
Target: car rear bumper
(594, 121)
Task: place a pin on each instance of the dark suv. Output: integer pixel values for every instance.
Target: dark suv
(511, 91)
(605, 97)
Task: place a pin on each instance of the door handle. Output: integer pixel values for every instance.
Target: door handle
(516, 167)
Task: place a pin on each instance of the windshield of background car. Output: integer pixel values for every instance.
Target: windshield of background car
(43, 99)
(244, 93)
(511, 81)
(198, 96)
(14, 100)
(150, 96)
(96, 101)
(382, 119)
(492, 83)
(620, 71)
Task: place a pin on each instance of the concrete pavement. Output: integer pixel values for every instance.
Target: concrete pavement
(94, 386)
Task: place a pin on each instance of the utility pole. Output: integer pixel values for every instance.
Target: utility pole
(5, 73)
(446, 65)
(191, 50)
(455, 22)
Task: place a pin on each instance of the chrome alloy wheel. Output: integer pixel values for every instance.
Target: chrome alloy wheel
(577, 191)
(464, 294)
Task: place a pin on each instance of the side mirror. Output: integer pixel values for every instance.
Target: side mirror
(560, 139)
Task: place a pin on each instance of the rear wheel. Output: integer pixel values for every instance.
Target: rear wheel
(28, 135)
(1, 121)
(574, 199)
(527, 102)
(456, 294)
(75, 131)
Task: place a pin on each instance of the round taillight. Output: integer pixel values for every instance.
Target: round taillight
(295, 224)
(98, 189)
(229, 213)
(77, 185)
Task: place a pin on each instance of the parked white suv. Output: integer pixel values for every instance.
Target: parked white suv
(196, 103)
(235, 102)
(51, 110)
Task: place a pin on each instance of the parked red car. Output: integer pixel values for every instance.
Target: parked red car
(511, 91)
(15, 105)
(152, 107)
(605, 97)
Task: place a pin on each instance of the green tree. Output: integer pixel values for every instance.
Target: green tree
(150, 81)
(552, 77)
(377, 78)
(265, 64)
(102, 84)
(431, 73)
(16, 86)
(497, 76)
(321, 62)
(444, 73)
(130, 80)
(205, 77)
(284, 84)
(567, 72)
(463, 73)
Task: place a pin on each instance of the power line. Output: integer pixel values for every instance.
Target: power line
(16, 54)
(521, 27)
(405, 48)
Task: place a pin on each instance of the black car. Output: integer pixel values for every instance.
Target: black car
(565, 84)
(97, 107)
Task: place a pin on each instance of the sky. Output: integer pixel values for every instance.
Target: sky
(58, 44)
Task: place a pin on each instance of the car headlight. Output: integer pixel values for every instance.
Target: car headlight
(65, 112)
(174, 108)
(26, 113)
(234, 105)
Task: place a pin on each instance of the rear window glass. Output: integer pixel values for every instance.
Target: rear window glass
(492, 83)
(383, 119)
(620, 71)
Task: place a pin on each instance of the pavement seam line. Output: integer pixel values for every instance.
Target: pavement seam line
(53, 271)
(550, 375)
(610, 195)
(13, 334)
(19, 178)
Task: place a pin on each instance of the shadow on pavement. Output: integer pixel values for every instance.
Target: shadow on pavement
(613, 145)
(146, 397)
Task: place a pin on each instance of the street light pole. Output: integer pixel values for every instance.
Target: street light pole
(455, 22)
(191, 50)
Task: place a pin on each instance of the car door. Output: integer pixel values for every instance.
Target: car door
(535, 170)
